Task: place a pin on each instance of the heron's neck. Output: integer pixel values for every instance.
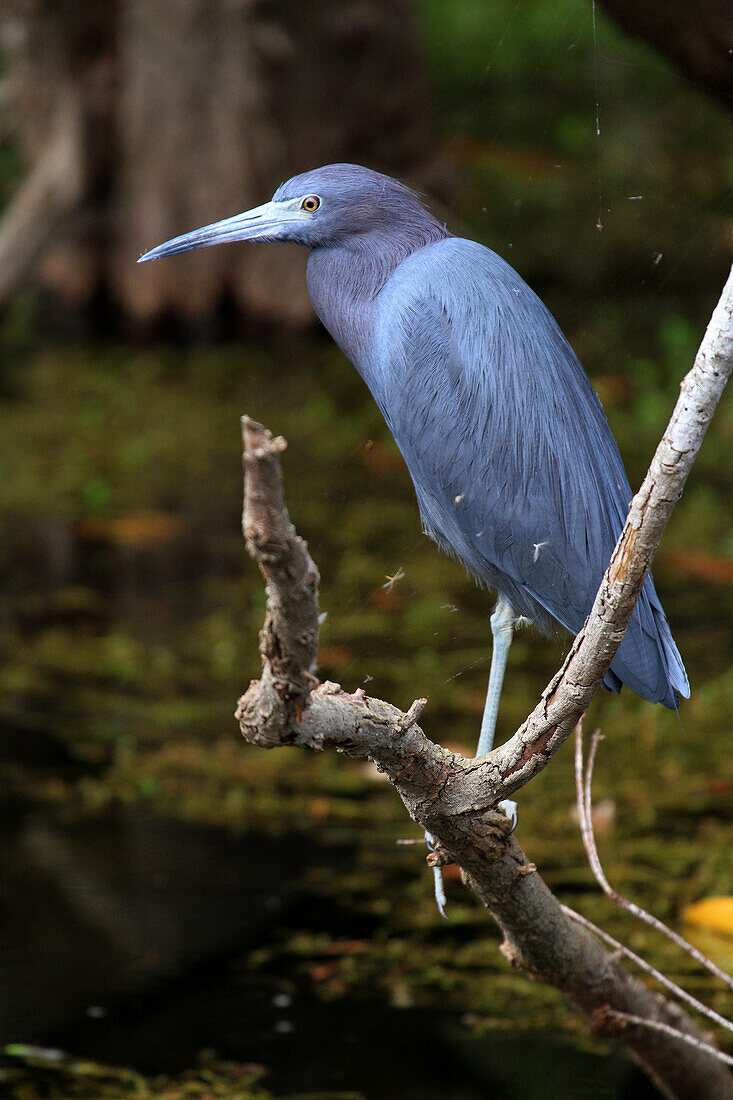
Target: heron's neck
(345, 279)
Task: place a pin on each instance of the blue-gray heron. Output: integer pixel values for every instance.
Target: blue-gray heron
(515, 468)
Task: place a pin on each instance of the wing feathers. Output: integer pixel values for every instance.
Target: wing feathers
(516, 470)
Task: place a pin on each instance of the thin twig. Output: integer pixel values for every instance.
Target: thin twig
(583, 790)
(667, 1029)
(673, 988)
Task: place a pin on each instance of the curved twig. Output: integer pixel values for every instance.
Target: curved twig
(583, 785)
(676, 990)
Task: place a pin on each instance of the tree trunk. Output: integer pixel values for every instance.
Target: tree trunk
(190, 111)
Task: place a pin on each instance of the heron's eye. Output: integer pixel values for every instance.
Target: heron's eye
(310, 203)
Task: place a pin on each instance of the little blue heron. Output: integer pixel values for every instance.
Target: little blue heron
(514, 465)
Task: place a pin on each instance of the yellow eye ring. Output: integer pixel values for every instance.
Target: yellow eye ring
(310, 204)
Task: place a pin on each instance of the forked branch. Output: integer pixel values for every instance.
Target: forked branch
(438, 785)
(453, 797)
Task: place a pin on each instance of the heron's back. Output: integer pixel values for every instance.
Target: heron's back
(516, 470)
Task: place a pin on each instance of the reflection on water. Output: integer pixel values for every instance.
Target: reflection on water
(102, 909)
(120, 943)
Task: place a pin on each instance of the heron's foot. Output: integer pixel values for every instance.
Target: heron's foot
(438, 884)
(439, 887)
(510, 811)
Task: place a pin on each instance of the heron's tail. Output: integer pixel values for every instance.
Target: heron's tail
(648, 660)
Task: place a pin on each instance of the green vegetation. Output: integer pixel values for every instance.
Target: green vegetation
(31, 1073)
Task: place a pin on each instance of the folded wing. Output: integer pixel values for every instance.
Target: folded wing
(516, 470)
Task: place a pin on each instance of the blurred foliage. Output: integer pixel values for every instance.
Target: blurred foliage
(129, 620)
(33, 1073)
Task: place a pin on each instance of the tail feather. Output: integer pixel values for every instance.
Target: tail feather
(648, 660)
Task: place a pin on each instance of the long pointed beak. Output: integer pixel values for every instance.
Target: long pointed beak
(264, 223)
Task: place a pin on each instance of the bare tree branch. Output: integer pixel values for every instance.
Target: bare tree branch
(566, 698)
(289, 636)
(656, 1025)
(453, 797)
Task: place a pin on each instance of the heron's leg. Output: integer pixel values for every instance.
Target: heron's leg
(502, 628)
(503, 619)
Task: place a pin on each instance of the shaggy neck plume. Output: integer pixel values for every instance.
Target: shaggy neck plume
(344, 278)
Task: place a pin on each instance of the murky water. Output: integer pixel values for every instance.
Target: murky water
(122, 941)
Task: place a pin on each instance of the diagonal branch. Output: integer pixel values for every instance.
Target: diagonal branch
(452, 797)
(626, 1018)
(676, 990)
(567, 696)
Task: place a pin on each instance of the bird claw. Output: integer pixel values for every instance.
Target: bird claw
(439, 886)
(440, 899)
(510, 811)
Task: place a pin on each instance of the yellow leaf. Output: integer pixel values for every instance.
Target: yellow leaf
(715, 914)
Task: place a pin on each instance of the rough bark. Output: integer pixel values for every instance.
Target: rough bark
(192, 110)
(696, 35)
(453, 797)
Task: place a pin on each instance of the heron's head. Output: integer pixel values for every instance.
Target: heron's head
(323, 207)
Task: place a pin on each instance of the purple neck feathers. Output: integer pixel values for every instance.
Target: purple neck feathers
(345, 278)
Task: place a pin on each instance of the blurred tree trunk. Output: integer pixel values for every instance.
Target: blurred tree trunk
(183, 112)
(696, 35)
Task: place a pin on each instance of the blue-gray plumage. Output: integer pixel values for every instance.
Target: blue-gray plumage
(515, 468)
